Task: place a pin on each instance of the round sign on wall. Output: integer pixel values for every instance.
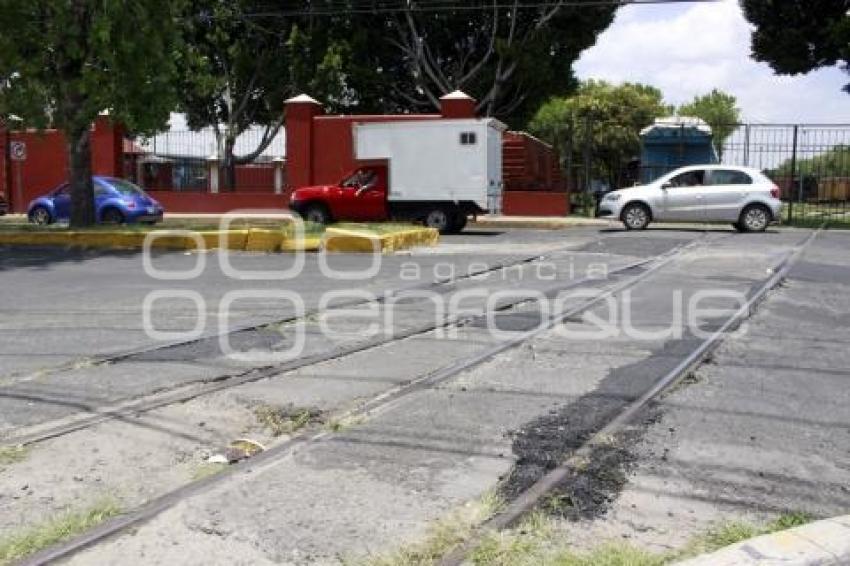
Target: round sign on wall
(18, 150)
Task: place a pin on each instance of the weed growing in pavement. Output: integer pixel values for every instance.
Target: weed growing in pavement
(286, 420)
(442, 537)
(14, 547)
(539, 539)
(339, 425)
(731, 532)
(13, 454)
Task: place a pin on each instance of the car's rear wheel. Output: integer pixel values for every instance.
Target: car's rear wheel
(440, 219)
(635, 216)
(754, 218)
(317, 213)
(41, 216)
(112, 216)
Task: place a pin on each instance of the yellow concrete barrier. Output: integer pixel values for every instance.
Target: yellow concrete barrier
(261, 240)
(305, 244)
(253, 239)
(232, 239)
(346, 240)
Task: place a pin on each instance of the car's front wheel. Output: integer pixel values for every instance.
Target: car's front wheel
(754, 218)
(317, 213)
(40, 215)
(635, 216)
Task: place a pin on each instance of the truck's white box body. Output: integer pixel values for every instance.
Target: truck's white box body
(437, 160)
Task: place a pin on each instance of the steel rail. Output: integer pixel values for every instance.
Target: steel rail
(528, 499)
(379, 403)
(127, 410)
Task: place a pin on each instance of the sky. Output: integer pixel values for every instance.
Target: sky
(687, 49)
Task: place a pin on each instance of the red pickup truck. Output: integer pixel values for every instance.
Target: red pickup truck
(362, 196)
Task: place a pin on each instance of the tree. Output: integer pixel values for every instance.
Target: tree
(511, 58)
(719, 111)
(798, 36)
(65, 62)
(244, 62)
(600, 125)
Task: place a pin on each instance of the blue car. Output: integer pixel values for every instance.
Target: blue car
(116, 201)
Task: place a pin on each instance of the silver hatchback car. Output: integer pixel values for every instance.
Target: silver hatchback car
(698, 193)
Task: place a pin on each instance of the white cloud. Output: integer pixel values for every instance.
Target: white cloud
(687, 50)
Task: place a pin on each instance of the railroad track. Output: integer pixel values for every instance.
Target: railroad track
(90, 415)
(528, 499)
(618, 280)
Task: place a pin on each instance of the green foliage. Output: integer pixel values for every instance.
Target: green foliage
(834, 162)
(798, 36)
(14, 547)
(606, 119)
(13, 454)
(719, 111)
(65, 62)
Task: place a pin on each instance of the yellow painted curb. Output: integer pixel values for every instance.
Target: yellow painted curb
(253, 240)
(343, 240)
(261, 240)
(232, 239)
(306, 244)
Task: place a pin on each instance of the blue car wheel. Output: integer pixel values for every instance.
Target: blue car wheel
(40, 215)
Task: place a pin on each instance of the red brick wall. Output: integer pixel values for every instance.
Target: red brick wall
(529, 164)
(46, 165)
(4, 176)
(207, 203)
(535, 203)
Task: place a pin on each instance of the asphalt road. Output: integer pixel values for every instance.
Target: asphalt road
(761, 429)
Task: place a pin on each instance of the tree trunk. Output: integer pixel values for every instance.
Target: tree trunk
(82, 189)
(229, 164)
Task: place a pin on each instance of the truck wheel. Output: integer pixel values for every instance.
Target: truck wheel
(458, 222)
(317, 213)
(440, 219)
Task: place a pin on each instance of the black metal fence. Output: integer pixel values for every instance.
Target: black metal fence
(184, 161)
(810, 163)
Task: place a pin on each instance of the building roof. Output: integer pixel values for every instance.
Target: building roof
(456, 95)
(669, 124)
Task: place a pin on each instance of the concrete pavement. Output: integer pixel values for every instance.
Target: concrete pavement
(378, 483)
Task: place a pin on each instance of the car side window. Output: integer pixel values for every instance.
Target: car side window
(729, 177)
(688, 179)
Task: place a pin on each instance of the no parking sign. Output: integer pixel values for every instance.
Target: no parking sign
(18, 151)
